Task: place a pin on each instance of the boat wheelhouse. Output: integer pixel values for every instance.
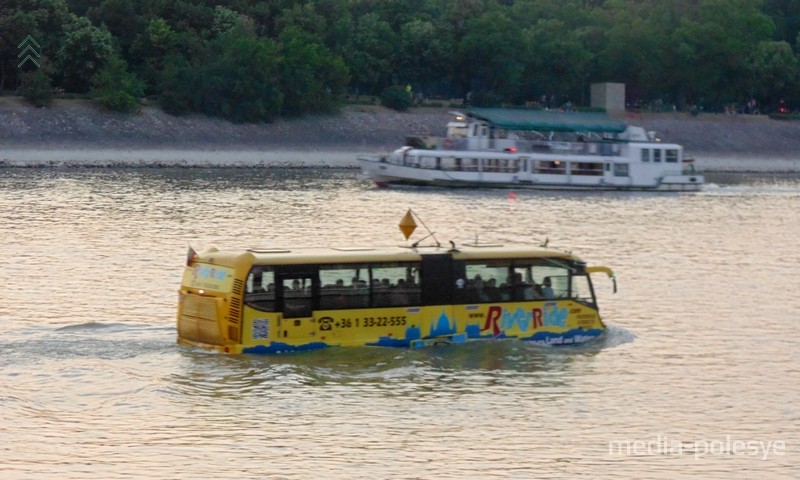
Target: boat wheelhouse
(286, 300)
(519, 148)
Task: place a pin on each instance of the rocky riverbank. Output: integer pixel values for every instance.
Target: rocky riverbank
(79, 133)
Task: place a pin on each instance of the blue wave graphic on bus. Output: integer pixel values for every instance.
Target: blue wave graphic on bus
(279, 347)
(570, 337)
(412, 333)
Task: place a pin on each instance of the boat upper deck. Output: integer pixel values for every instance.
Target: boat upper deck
(519, 131)
(519, 119)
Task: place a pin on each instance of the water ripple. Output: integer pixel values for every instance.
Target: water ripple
(700, 349)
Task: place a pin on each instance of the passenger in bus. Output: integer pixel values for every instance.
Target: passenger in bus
(513, 288)
(341, 300)
(547, 288)
(532, 291)
(492, 292)
(296, 286)
(480, 294)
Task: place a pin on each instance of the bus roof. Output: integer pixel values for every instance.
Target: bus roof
(320, 255)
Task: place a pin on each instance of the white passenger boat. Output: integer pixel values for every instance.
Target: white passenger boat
(519, 148)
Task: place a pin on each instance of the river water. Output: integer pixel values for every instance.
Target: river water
(697, 376)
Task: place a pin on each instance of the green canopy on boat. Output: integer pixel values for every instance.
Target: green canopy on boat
(548, 120)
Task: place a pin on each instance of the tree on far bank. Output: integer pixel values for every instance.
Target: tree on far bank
(313, 78)
(491, 54)
(238, 78)
(85, 50)
(35, 87)
(369, 53)
(714, 52)
(117, 88)
(175, 85)
(42, 20)
(775, 72)
(716, 44)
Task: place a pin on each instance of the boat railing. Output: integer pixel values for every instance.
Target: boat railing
(604, 149)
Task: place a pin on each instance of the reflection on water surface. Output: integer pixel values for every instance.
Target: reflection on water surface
(701, 344)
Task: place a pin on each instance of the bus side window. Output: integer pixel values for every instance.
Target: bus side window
(395, 285)
(297, 297)
(343, 286)
(488, 282)
(260, 289)
(551, 279)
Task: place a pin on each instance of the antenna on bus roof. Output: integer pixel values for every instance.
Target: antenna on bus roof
(408, 225)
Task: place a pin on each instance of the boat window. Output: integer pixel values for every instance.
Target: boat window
(582, 290)
(428, 162)
(657, 155)
(260, 288)
(343, 286)
(454, 164)
(552, 167)
(609, 149)
(468, 164)
(586, 168)
(645, 154)
(672, 155)
(621, 170)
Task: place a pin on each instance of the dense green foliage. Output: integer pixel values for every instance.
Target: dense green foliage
(251, 60)
(396, 97)
(116, 87)
(35, 87)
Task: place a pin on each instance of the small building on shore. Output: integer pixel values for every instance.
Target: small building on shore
(608, 96)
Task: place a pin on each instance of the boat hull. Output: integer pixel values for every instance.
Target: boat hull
(385, 174)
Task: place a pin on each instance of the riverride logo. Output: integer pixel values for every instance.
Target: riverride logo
(499, 319)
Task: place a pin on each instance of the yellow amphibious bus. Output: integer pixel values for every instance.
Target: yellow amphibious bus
(287, 300)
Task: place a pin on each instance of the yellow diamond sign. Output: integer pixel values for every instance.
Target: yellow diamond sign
(407, 224)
